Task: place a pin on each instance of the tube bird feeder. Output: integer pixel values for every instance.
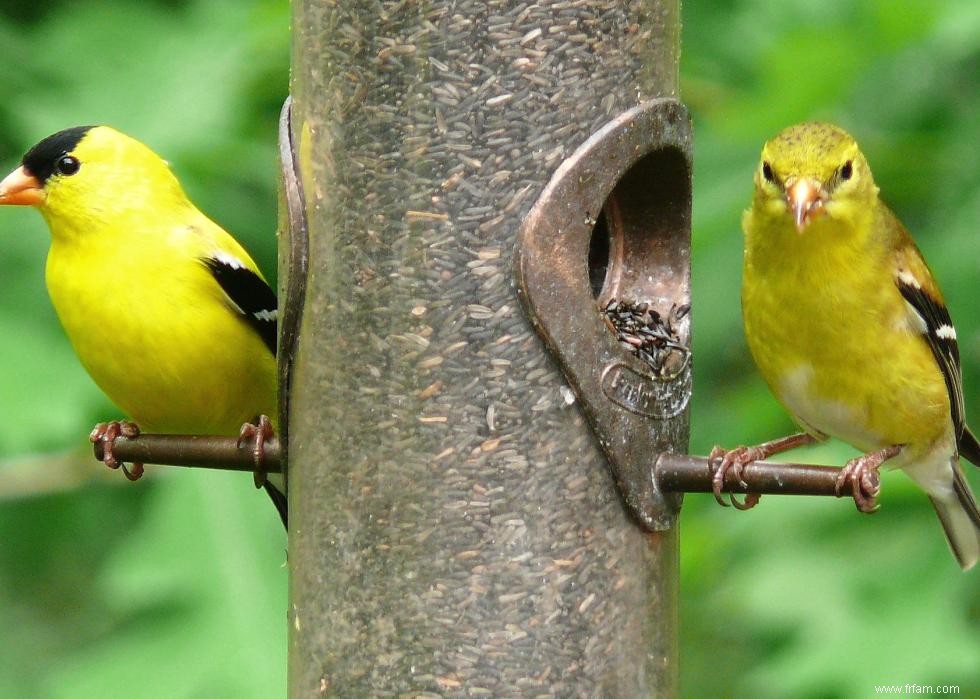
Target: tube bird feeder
(456, 528)
(484, 351)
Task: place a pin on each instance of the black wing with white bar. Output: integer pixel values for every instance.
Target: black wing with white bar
(941, 336)
(249, 293)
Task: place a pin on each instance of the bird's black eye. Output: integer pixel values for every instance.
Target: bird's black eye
(68, 165)
(846, 170)
(767, 171)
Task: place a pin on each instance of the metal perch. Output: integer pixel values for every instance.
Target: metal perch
(194, 451)
(693, 474)
(679, 473)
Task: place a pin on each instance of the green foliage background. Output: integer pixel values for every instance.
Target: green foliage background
(805, 598)
(176, 587)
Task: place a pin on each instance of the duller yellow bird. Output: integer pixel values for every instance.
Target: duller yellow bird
(850, 331)
(166, 311)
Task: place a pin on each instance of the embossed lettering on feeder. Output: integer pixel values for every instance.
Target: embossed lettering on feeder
(645, 395)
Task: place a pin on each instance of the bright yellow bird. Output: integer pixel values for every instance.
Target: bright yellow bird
(849, 328)
(166, 311)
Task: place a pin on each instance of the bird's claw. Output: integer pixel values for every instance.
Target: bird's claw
(865, 484)
(259, 431)
(734, 460)
(104, 437)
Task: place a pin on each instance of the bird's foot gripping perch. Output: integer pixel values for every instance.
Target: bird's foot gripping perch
(104, 437)
(735, 460)
(259, 431)
(862, 473)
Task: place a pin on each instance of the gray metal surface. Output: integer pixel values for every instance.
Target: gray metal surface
(455, 527)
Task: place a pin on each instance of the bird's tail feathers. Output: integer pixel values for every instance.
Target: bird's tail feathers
(965, 496)
(969, 447)
(960, 516)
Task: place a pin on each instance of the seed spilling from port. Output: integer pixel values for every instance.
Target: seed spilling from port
(651, 336)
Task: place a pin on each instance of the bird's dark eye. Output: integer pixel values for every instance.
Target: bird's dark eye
(767, 171)
(846, 170)
(68, 165)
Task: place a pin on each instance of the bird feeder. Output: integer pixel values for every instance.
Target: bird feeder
(485, 362)
(456, 527)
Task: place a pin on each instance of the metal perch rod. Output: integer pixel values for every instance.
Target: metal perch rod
(194, 451)
(673, 472)
(693, 474)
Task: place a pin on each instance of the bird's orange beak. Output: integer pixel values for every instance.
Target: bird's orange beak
(21, 188)
(805, 199)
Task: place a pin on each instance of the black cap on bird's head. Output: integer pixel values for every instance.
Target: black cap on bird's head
(91, 173)
(42, 159)
(48, 157)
